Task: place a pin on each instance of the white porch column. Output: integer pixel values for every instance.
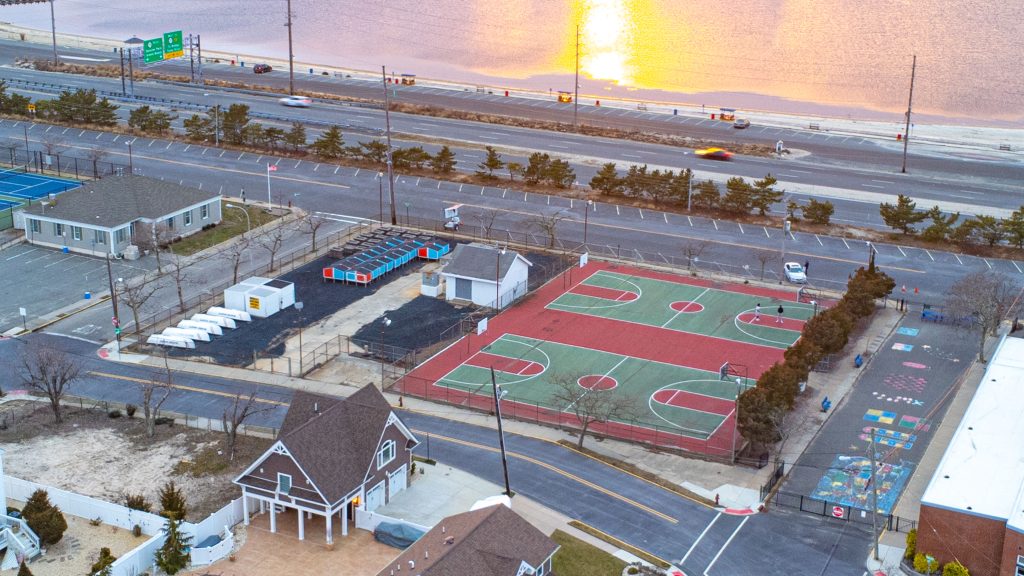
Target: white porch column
(302, 525)
(273, 517)
(3, 492)
(245, 508)
(330, 526)
(344, 520)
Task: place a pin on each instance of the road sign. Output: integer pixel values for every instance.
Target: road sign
(838, 511)
(153, 50)
(22, 311)
(115, 322)
(31, 107)
(173, 45)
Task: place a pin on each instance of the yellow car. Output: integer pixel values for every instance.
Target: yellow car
(713, 154)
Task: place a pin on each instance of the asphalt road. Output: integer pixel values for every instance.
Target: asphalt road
(631, 509)
(855, 172)
(348, 196)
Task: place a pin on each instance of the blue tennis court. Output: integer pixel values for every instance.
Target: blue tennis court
(20, 185)
(4, 204)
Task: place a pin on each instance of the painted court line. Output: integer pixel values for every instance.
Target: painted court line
(676, 315)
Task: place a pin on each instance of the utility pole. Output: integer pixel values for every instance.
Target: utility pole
(53, 29)
(387, 121)
(910, 103)
(291, 56)
(113, 303)
(785, 232)
(124, 91)
(131, 73)
(576, 96)
(874, 496)
(199, 58)
(501, 433)
(191, 60)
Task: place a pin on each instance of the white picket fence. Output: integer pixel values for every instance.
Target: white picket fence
(141, 558)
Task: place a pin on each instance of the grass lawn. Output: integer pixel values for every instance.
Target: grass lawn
(232, 224)
(577, 558)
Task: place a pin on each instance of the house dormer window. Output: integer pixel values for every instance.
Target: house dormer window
(386, 454)
(284, 483)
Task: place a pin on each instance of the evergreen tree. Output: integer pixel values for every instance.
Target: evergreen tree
(103, 562)
(1014, 227)
(233, 123)
(941, 226)
(198, 128)
(607, 180)
(679, 189)
(536, 168)
(172, 556)
(296, 136)
(272, 137)
(444, 161)
(819, 212)
(758, 417)
(901, 216)
(792, 207)
(707, 196)
(330, 144)
(990, 230)
(636, 182)
(38, 502)
(764, 194)
(172, 501)
(374, 151)
(560, 174)
(491, 163)
(738, 197)
(49, 525)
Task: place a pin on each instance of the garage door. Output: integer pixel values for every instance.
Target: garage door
(375, 497)
(463, 289)
(396, 481)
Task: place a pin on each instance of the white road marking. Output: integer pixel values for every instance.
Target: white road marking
(699, 538)
(186, 148)
(845, 242)
(988, 263)
(1017, 267)
(632, 156)
(958, 259)
(221, 153)
(819, 240)
(930, 255)
(617, 212)
(315, 168)
(883, 181)
(726, 545)
(901, 251)
(690, 220)
(640, 210)
(665, 214)
(336, 168)
(715, 223)
(872, 186)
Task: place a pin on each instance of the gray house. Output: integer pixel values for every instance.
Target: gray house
(107, 216)
(485, 275)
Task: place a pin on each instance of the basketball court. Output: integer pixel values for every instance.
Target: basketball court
(679, 348)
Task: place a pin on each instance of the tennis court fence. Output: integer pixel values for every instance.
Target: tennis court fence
(63, 164)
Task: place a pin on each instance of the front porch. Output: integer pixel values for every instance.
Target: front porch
(299, 519)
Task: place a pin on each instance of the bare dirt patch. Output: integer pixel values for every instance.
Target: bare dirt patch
(95, 455)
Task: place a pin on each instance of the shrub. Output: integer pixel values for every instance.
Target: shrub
(105, 559)
(172, 557)
(49, 525)
(137, 502)
(911, 545)
(130, 410)
(955, 568)
(923, 565)
(172, 502)
(164, 420)
(23, 569)
(136, 530)
(38, 502)
(115, 413)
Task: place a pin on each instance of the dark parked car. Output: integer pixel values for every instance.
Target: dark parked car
(262, 68)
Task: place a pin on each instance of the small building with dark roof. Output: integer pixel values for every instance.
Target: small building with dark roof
(485, 275)
(332, 456)
(491, 541)
(107, 216)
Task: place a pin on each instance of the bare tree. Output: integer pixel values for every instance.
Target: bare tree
(547, 224)
(233, 252)
(50, 372)
(241, 410)
(692, 250)
(980, 301)
(310, 223)
(135, 296)
(766, 257)
(486, 217)
(95, 155)
(271, 240)
(154, 392)
(53, 144)
(178, 271)
(591, 405)
(151, 238)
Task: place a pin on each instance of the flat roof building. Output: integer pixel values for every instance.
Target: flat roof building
(973, 508)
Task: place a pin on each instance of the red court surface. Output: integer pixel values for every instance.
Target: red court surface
(606, 293)
(530, 318)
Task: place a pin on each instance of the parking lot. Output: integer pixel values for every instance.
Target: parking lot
(44, 280)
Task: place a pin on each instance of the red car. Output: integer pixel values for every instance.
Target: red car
(262, 69)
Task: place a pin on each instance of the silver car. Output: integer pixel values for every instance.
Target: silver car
(795, 273)
(298, 101)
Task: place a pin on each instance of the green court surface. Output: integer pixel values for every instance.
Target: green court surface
(672, 398)
(686, 308)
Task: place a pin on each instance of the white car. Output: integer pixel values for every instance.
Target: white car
(299, 101)
(795, 273)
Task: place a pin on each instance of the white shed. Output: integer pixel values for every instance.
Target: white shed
(482, 274)
(260, 297)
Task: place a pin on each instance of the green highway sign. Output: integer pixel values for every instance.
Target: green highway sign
(174, 47)
(153, 50)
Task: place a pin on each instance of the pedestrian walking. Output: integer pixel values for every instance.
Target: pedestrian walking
(807, 266)
(757, 312)
(778, 319)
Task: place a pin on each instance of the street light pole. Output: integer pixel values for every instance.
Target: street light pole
(586, 218)
(387, 120)
(291, 56)
(248, 222)
(131, 167)
(785, 232)
(53, 29)
(501, 432)
(113, 303)
(380, 189)
(497, 280)
(385, 324)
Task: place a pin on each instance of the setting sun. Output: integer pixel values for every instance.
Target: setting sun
(605, 39)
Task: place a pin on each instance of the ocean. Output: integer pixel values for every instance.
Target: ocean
(839, 58)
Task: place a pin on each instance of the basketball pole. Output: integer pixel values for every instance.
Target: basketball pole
(501, 433)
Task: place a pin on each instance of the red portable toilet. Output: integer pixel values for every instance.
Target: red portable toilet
(712, 116)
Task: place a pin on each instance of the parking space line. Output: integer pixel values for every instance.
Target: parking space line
(278, 161)
(258, 158)
(666, 217)
(930, 255)
(955, 255)
(315, 168)
(297, 164)
(901, 251)
(58, 261)
(820, 243)
(1017, 267)
(336, 168)
(690, 220)
(187, 147)
(987, 262)
(742, 231)
(846, 243)
(617, 212)
(34, 249)
(640, 210)
(715, 223)
(240, 156)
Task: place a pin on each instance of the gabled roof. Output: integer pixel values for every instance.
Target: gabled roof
(335, 439)
(118, 200)
(492, 541)
(477, 261)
